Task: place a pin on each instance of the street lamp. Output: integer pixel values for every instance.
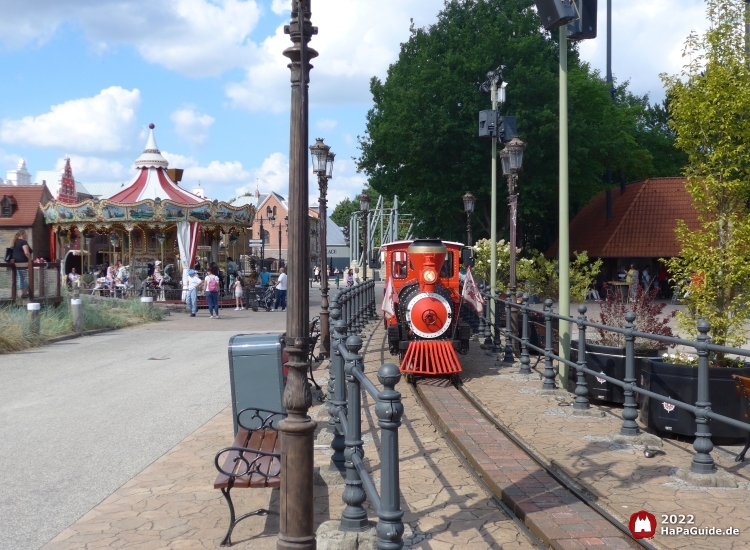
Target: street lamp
(511, 159)
(322, 160)
(364, 206)
(469, 202)
(297, 506)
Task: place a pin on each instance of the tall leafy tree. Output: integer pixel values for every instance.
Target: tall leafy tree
(421, 141)
(710, 108)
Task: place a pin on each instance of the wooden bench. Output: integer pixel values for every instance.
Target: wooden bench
(252, 462)
(742, 383)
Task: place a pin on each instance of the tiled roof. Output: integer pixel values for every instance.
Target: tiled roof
(643, 222)
(28, 199)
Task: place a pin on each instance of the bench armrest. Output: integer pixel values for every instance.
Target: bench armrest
(253, 463)
(265, 416)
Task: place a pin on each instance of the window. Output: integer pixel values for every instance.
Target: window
(6, 208)
(274, 211)
(446, 272)
(266, 237)
(398, 264)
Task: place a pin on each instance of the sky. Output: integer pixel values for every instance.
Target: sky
(85, 78)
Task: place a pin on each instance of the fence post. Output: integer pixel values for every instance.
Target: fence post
(508, 331)
(582, 392)
(487, 322)
(14, 283)
(389, 410)
(496, 344)
(354, 516)
(76, 312)
(346, 303)
(357, 309)
(33, 313)
(703, 462)
(374, 303)
(549, 371)
(337, 391)
(630, 410)
(147, 302)
(480, 329)
(525, 360)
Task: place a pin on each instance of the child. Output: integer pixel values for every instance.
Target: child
(238, 294)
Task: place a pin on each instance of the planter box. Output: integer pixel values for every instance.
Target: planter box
(681, 382)
(610, 361)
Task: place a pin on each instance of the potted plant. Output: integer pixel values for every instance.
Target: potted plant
(675, 375)
(608, 356)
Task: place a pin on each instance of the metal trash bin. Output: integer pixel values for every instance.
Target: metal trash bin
(256, 374)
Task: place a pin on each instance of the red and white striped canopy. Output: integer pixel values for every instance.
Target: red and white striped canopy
(152, 180)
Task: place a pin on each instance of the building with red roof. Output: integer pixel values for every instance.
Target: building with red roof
(642, 227)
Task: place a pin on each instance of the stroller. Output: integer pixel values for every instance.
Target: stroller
(266, 299)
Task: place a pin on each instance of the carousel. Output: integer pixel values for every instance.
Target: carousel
(150, 224)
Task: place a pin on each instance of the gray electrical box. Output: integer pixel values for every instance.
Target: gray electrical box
(584, 28)
(555, 13)
(256, 374)
(488, 121)
(507, 126)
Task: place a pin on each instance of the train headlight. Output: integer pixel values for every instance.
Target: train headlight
(430, 276)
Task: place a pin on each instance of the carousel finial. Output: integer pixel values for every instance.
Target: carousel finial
(152, 126)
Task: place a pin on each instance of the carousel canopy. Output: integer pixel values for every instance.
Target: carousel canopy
(152, 180)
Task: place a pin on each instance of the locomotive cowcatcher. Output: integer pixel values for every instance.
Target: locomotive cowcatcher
(422, 279)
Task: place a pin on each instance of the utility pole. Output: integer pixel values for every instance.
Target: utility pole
(564, 238)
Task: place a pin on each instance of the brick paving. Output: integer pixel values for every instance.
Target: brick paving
(617, 476)
(172, 503)
(550, 511)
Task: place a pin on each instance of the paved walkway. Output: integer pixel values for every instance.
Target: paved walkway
(172, 503)
(619, 477)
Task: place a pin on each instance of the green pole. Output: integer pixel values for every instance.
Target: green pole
(563, 240)
(493, 205)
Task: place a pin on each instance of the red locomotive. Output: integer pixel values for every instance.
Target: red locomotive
(422, 286)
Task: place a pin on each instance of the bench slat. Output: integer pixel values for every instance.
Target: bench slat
(223, 480)
(266, 464)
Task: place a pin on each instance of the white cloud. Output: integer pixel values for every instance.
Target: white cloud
(8, 161)
(191, 126)
(104, 123)
(356, 40)
(279, 7)
(272, 175)
(217, 177)
(194, 37)
(96, 169)
(326, 124)
(647, 39)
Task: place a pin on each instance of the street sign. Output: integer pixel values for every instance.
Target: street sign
(254, 242)
(204, 247)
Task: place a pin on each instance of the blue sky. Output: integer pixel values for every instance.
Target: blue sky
(86, 77)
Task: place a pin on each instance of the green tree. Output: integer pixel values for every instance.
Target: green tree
(710, 104)
(343, 212)
(421, 139)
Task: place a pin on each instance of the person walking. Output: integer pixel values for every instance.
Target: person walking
(231, 272)
(316, 274)
(191, 297)
(238, 293)
(280, 291)
(357, 278)
(21, 255)
(350, 278)
(632, 279)
(213, 285)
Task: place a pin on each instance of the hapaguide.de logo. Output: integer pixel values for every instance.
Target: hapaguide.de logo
(642, 525)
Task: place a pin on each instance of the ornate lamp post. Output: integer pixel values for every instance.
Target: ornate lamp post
(364, 206)
(161, 237)
(511, 159)
(322, 161)
(296, 518)
(469, 202)
(262, 243)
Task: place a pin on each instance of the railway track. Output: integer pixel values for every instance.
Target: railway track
(503, 499)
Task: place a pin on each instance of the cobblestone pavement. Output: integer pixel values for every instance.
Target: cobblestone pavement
(172, 503)
(618, 476)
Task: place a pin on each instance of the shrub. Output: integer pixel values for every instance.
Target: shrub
(648, 318)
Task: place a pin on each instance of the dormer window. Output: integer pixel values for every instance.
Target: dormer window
(6, 207)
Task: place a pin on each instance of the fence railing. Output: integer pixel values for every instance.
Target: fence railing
(346, 381)
(702, 462)
(357, 305)
(37, 281)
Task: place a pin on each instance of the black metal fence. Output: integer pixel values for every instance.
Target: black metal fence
(702, 462)
(351, 310)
